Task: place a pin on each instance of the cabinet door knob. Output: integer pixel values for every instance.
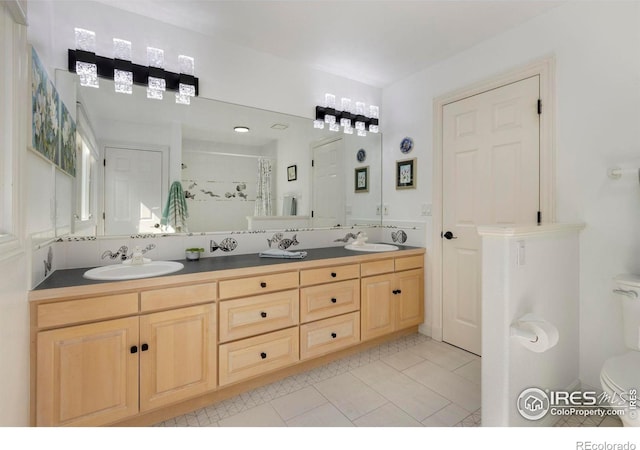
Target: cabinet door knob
(263, 355)
(263, 314)
(134, 349)
(394, 292)
(263, 284)
(144, 347)
(334, 300)
(333, 274)
(399, 291)
(333, 335)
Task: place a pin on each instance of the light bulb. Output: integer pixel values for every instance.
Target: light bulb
(329, 101)
(319, 124)
(334, 127)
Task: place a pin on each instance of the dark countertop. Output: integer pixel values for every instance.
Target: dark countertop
(73, 277)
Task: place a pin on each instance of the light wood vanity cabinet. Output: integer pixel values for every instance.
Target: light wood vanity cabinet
(104, 371)
(87, 375)
(393, 301)
(139, 352)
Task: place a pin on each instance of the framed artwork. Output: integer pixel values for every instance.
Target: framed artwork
(406, 174)
(45, 105)
(292, 173)
(362, 179)
(67, 141)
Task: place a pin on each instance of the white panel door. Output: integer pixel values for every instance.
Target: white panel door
(133, 191)
(328, 185)
(491, 153)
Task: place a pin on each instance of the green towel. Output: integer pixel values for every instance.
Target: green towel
(175, 213)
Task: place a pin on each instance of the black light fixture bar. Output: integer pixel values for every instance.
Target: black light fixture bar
(322, 111)
(141, 74)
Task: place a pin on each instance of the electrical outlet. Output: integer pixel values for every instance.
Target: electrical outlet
(426, 209)
(386, 210)
(521, 253)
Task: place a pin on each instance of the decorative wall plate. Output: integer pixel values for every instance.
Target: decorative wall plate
(406, 145)
(362, 155)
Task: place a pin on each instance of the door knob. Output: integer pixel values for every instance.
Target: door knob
(157, 225)
(449, 235)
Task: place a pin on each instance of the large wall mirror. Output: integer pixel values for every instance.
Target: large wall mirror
(281, 174)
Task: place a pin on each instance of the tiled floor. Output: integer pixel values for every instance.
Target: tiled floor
(409, 382)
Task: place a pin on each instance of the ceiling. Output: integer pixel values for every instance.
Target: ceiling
(375, 42)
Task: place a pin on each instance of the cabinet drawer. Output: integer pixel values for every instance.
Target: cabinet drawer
(249, 316)
(376, 267)
(86, 309)
(257, 355)
(328, 335)
(258, 285)
(177, 296)
(409, 262)
(327, 274)
(327, 300)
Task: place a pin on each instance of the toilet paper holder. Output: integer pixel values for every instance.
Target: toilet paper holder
(525, 334)
(519, 328)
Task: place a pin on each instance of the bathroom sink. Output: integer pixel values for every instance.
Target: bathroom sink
(371, 247)
(130, 272)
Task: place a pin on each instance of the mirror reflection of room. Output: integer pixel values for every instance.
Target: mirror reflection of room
(233, 163)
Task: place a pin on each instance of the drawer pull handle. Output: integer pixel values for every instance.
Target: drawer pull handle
(333, 274)
(263, 355)
(395, 292)
(399, 291)
(144, 347)
(334, 300)
(134, 349)
(333, 335)
(263, 314)
(263, 285)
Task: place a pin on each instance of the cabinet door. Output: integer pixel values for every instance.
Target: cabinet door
(377, 308)
(410, 298)
(178, 355)
(87, 375)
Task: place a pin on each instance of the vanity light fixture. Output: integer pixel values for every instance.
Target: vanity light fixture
(241, 129)
(90, 67)
(349, 118)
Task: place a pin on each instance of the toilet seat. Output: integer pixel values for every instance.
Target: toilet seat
(622, 373)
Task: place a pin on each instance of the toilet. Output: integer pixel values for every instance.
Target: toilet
(621, 373)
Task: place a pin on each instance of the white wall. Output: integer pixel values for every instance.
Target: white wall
(598, 110)
(546, 284)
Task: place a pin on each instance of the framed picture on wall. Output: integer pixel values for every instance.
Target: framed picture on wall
(292, 173)
(362, 179)
(406, 174)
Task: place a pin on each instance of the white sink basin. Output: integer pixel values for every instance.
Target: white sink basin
(371, 247)
(130, 272)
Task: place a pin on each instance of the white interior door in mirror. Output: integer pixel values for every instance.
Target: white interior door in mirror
(328, 185)
(134, 181)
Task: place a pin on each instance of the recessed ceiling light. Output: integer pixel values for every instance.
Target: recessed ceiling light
(279, 126)
(241, 129)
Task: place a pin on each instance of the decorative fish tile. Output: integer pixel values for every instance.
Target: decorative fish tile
(286, 243)
(226, 245)
(399, 236)
(48, 263)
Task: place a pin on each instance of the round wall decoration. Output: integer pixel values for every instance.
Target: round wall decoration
(361, 155)
(406, 145)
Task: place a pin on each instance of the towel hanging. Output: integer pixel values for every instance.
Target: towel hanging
(175, 213)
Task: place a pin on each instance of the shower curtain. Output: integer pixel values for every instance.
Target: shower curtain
(263, 197)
